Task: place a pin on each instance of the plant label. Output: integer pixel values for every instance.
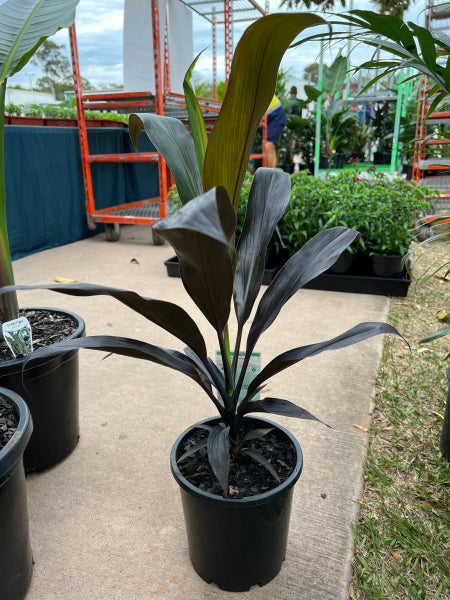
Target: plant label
(254, 367)
(18, 337)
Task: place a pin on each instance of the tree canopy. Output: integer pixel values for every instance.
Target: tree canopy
(389, 7)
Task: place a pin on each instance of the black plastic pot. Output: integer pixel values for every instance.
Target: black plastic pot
(50, 388)
(16, 561)
(237, 543)
(445, 435)
(344, 264)
(384, 265)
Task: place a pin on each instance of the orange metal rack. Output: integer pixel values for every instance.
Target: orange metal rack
(433, 172)
(162, 101)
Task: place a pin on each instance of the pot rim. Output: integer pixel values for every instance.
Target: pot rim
(9, 366)
(14, 449)
(238, 502)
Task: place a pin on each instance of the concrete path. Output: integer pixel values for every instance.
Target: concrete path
(106, 523)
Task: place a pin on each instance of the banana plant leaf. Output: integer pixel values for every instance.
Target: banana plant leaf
(200, 233)
(24, 25)
(334, 77)
(269, 196)
(360, 332)
(167, 315)
(172, 140)
(250, 90)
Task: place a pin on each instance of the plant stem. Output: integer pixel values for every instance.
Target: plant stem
(9, 308)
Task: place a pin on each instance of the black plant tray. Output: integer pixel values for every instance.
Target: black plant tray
(173, 270)
(361, 284)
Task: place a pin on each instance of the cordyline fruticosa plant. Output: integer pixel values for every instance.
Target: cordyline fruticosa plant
(208, 175)
(24, 25)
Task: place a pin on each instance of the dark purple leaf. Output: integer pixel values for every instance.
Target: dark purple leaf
(200, 234)
(193, 449)
(360, 332)
(277, 406)
(257, 433)
(269, 196)
(218, 448)
(167, 315)
(259, 458)
(173, 141)
(315, 257)
(126, 347)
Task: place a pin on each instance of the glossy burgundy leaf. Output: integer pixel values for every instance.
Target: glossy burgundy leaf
(269, 196)
(200, 234)
(167, 315)
(218, 454)
(360, 332)
(315, 257)
(126, 347)
(172, 140)
(259, 458)
(277, 406)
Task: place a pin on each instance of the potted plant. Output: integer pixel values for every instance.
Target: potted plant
(229, 506)
(55, 417)
(15, 550)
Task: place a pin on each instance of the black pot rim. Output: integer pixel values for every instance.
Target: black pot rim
(238, 502)
(14, 449)
(16, 364)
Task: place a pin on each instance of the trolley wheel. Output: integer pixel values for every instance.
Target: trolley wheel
(157, 239)
(112, 232)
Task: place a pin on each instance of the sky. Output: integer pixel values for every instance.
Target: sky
(99, 36)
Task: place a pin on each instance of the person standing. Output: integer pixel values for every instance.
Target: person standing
(276, 120)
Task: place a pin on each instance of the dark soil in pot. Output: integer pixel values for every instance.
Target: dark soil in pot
(49, 386)
(247, 477)
(235, 541)
(8, 422)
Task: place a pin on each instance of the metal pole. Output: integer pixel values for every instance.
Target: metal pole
(398, 114)
(214, 50)
(349, 49)
(318, 112)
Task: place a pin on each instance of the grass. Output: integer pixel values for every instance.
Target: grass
(402, 537)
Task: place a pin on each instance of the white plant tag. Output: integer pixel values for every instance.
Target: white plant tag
(17, 335)
(254, 367)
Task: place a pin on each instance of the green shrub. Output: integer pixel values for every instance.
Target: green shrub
(381, 208)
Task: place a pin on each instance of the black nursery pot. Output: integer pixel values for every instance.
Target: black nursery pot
(445, 435)
(386, 265)
(50, 388)
(237, 543)
(16, 561)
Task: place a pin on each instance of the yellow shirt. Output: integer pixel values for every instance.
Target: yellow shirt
(273, 105)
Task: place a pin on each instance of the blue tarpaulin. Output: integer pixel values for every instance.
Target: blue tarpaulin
(44, 183)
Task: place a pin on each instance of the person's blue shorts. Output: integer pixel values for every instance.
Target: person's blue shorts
(276, 120)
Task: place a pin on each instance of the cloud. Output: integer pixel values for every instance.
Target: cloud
(100, 39)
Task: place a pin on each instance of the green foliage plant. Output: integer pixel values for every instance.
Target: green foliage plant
(24, 26)
(215, 271)
(382, 208)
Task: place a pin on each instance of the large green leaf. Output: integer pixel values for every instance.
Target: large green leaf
(25, 24)
(435, 335)
(360, 332)
(250, 90)
(315, 257)
(269, 196)
(172, 140)
(200, 233)
(195, 116)
(167, 315)
(334, 78)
